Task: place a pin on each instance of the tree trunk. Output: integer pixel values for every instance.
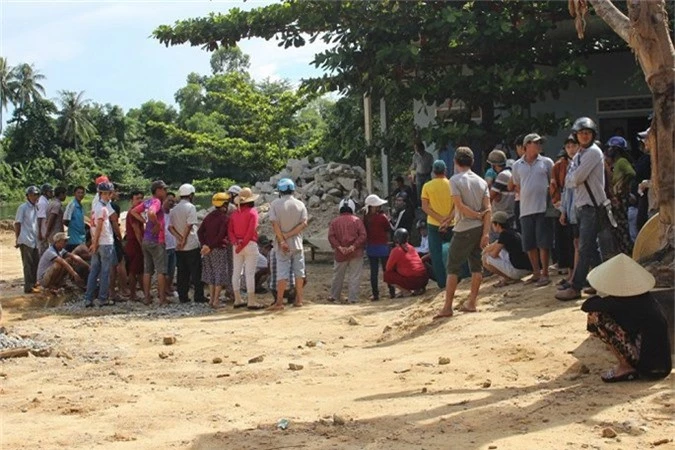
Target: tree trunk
(647, 33)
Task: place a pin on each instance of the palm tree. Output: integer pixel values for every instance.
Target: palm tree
(27, 85)
(74, 124)
(7, 87)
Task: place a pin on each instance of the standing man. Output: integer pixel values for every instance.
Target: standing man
(102, 248)
(472, 200)
(55, 213)
(347, 237)
(26, 234)
(184, 223)
(289, 217)
(42, 204)
(531, 178)
(73, 218)
(421, 167)
(132, 249)
(153, 245)
(438, 205)
(586, 176)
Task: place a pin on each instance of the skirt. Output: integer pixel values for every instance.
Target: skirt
(604, 327)
(215, 268)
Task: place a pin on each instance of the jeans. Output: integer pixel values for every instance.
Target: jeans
(374, 278)
(436, 252)
(100, 265)
(352, 269)
(564, 246)
(591, 243)
(189, 264)
(30, 257)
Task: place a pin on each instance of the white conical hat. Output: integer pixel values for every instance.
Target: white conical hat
(620, 276)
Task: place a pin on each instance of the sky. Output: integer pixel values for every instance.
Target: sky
(104, 47)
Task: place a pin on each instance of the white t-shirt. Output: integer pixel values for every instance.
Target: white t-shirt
(182, 215)
(42, 205)
(169, 239)
(102, 211)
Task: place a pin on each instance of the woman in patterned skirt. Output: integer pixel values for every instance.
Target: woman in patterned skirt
(212, 234)
(629, 320)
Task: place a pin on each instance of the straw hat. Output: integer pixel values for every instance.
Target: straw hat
(246, 196)
(649, 239)
(620, 276)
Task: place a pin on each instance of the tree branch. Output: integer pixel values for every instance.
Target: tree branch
(613, 17)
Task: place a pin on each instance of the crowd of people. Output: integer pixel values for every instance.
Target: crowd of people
(523, 215)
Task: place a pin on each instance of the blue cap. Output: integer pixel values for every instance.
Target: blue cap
(617, 141)
(439, 166)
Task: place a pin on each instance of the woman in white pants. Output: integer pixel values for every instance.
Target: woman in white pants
(243, 234)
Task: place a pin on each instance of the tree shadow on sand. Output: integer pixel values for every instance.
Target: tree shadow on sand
(469, 418)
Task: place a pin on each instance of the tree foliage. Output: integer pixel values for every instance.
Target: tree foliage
(496, 57)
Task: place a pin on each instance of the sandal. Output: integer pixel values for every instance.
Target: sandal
(531, 281)
(504, 283)
(611, 377)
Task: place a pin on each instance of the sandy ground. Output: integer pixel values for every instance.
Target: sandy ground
(520, 374)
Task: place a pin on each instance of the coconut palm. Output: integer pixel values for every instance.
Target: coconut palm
(7, 87)
(27, 87)
(74, 125)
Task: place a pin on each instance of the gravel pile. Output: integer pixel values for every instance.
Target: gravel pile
(8, 341)
(126, 310)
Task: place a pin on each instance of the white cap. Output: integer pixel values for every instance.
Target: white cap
(374, 200)
(347, 202)
(185, 190)
(234, 189)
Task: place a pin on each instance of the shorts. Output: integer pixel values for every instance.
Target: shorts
(290, 261)
(171, 262)
(53, 277)
(536, 231)
(465, 245)
(154, 258)
(503, 264)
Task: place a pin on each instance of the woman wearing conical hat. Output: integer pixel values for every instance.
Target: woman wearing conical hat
(628, 319)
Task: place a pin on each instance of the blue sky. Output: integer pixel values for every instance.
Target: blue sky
(104, 48)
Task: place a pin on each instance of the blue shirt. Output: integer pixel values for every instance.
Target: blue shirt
(75, 214)
(26, 215)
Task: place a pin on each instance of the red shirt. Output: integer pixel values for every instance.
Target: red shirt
(377, 229)
(213, 230)
(243, 226)
(344, 231)
(406, 263)
(131, 236)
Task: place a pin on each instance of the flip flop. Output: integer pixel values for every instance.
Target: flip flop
(543, 281)
(531, 281)
(275, 307)
(442, 316)
(255, 307)
(240, 305)
(610, 377)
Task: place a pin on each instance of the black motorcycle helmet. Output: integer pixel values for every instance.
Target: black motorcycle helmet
(585, 123)
(401, 236)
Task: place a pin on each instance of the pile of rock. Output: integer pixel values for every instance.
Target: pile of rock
(319, 184)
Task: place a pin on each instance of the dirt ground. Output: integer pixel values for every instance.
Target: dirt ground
(522, 373)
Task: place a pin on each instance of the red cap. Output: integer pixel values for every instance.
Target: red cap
(101, 179)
